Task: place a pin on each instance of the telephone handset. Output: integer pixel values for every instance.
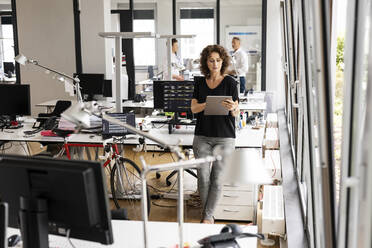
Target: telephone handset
(227, 237)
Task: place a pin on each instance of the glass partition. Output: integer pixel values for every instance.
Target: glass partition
(243, 19)
(7, 49)
(196, 18)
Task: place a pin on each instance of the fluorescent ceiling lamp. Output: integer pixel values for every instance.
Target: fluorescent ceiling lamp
(180, 36)
(128, 35)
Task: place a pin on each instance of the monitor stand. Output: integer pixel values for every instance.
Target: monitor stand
(176, 121)
(33, 215)
(3, 224)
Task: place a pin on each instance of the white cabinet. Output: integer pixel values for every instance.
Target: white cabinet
(237, 202)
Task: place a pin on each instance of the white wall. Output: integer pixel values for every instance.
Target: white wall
(274, 53)
(235, 15)
(46, 34)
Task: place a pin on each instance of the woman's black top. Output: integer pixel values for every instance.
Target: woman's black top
(215, 125)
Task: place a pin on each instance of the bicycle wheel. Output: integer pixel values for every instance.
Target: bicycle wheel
(126, 185)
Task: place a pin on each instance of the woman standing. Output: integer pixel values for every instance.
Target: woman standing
(212, 131)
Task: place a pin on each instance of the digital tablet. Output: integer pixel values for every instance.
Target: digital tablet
(214, 106)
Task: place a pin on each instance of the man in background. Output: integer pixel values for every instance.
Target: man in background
(176, 62)
(239, 63)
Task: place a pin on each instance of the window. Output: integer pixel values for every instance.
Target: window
(201, 23)
(144, 49)
(7, 39)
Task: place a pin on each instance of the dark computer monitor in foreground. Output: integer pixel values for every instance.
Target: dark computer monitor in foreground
(15, 100)
(54, 196)
(173, 96)
(91, 84)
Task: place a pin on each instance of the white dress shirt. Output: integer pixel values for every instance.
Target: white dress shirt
(240, 58)
(176, 63)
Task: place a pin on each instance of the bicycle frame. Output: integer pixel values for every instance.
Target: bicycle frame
(108, 161)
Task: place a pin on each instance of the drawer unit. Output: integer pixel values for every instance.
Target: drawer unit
(235, 187)
(239, 198)
(227, 212)
(237, 202)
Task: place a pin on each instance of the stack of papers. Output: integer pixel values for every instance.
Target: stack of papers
(95, 122)
(65, 124)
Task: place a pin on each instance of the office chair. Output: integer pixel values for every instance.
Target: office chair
(58, 109)
(49, 121)
(9, 69)
(150, 70)
(167, 180)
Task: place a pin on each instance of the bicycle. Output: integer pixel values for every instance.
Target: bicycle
(124, 175)
(125, 178)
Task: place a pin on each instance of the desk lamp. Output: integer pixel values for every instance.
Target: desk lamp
(245, 166)
(74, 81)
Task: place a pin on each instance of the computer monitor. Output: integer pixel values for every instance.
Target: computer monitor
(91, 84)
(110, 129)
(15, 100)
(56, 197)
(173, 96)
(3, 224)
(9, 68)
(107, 88)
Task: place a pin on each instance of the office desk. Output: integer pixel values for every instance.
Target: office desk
(9, 80)
(253, 106)
(129, 103)
(249, 106)
(49, 105)
(129, 234)
(145, 82)
(149, 104)
(245, 138)
(256, 95)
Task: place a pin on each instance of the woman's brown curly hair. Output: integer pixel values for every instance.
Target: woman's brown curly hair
(207, 51)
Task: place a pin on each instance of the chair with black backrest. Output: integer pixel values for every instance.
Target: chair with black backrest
(58, 109)
(45, 118)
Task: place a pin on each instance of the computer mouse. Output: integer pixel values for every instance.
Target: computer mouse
(14, 240)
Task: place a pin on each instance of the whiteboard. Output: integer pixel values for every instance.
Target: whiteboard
(250, 37)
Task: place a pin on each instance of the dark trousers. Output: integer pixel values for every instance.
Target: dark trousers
(242, 84)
